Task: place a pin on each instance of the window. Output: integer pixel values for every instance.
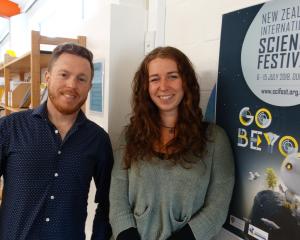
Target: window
(96, 93)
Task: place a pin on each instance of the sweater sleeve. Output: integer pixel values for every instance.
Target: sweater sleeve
(121, 215)
(209, 220)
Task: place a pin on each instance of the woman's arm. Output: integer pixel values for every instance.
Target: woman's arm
(209, 220)
(121, 217)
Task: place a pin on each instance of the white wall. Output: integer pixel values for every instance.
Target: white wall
(6, 45)
(4, 39)
(128, 26)
(19, 41)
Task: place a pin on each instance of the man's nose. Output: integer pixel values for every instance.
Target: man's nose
(71, 82)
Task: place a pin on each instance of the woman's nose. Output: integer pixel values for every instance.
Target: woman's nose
(163, 84)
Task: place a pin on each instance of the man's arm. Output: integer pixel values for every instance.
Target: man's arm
(102, 173)
(3, 139)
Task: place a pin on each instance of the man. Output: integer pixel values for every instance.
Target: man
(49, 155)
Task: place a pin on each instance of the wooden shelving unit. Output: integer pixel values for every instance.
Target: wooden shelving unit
(32, 62)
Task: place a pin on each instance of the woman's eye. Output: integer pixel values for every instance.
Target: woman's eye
(173, 76)
(153, 79)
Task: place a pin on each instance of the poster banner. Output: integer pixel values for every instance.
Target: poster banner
(258, 97)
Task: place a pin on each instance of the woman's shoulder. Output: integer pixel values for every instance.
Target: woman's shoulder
(121, 140)
(216, 133)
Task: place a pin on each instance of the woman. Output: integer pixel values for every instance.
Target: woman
(173, 174)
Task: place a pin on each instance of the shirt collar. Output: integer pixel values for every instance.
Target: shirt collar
(41, 111)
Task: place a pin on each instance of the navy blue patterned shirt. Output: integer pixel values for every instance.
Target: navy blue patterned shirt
(47, 180)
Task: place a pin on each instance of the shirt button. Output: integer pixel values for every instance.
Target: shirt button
(52, 197)
(56, 131)
(59, 152)
(47, 219)
(55, 174)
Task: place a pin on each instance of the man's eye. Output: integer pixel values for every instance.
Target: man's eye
(62, 75)
(82, 79)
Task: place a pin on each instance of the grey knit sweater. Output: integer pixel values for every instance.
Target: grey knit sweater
(159, 198)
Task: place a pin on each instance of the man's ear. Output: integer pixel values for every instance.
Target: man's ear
(47, 76)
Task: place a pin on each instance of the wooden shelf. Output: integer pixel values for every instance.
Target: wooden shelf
(22, 64)
(15, 109)
(11, 109)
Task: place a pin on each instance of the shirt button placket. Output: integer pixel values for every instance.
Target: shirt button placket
(52, 197)
(47, 219)
(56, 174)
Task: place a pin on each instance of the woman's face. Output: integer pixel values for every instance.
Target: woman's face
(165, 85)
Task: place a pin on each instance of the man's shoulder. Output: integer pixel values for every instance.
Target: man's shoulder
(95, 127)
(16, 116)
(15, 121)
(99, 135)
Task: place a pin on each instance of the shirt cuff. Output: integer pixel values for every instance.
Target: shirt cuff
(129, 234)
(184, 233)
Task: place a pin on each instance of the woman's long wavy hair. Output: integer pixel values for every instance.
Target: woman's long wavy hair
(143, 130)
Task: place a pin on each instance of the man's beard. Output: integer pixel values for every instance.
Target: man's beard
(61, 108)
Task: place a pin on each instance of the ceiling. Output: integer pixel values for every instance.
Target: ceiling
(9, 8)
